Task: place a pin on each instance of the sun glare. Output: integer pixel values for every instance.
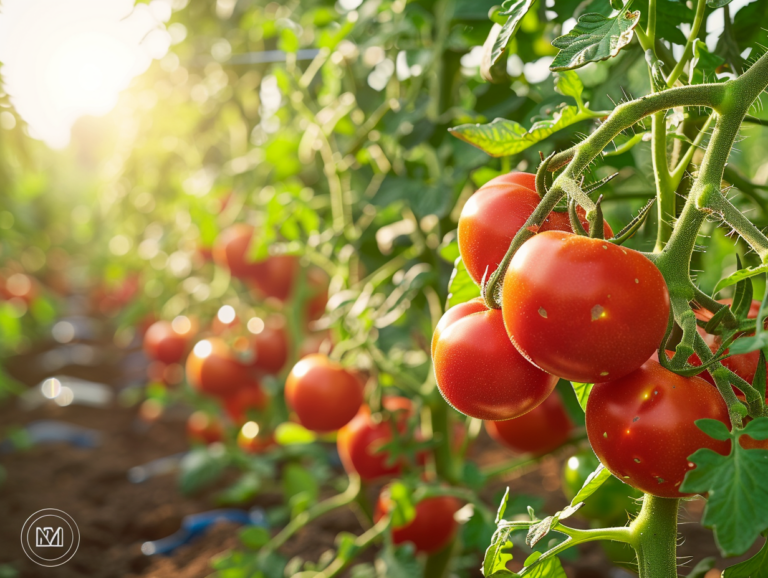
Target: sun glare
(63, 60)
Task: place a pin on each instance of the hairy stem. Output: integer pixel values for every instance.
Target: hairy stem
(654, 537)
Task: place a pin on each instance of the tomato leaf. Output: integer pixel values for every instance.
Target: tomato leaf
(549, 567)
(737, 508)
(243, 490)
(594, 38)
(399, 562)
(288, 434)
(734, 278)
(591, 484)
(497, 555)
(543, 527)
(754, 567)
(703, 62)
(568, 83)
(503, 137)
(714, 4)
(200, 468)
(402, 510)
(461, 288)
(515, 10)
(502, 506)
(582, 391)
(254, 537)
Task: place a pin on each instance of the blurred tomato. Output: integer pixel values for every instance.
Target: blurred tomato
(231, 251)
(204, 429)
(213, 369)
(270, 345)
(163, 343)
(249, 396)
(252, 440)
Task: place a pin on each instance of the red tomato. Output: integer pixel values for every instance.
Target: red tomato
(641, 426)
(317, 281)
(270, 346)
(231, 251)
(744, 365)
(164, 344)
(251, 440)
(276, 276)
(433, 527)
(493, 215)
(213, 369)
(324, 395)
(541, 430)
(478, 370)
(358, 441)
(248, 397)
(584, 309)
(204, 429)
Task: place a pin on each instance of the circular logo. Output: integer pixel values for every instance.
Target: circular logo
(50, 537)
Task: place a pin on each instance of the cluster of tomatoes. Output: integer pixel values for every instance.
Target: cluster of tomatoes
(577, 308)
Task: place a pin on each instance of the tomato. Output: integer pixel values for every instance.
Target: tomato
(204, 429)
(165, 373)
(584, 309)
(163, 343)
(359, 440)
(479, 372)
(610, 503)
(317, 282)
(248, 397)
(252, 440)
(541, 430)
(493, 215)
(276, 276)
(324, 395)
(641, 426)
(213, 369)
(433, 527)
(692, 360)
(745, 364)
(270, 345)
(231, 251)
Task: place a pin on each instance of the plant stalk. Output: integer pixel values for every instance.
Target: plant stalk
(654, 537)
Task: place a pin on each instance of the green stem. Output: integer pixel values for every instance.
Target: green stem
(698, 19)
(361, 543)
(679, 172)
(665, 192)
(654, 537)
(444, 462)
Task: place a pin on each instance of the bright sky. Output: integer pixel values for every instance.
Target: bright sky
(63, 59)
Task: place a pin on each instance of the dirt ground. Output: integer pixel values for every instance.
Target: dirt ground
(115, 516)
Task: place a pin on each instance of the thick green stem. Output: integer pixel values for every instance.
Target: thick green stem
(665, 192)
(654, 537)
(444, 462)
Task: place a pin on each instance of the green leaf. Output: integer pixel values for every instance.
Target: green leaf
(737, 508)
(400, 562)
(254, 537)
(296, 480)
(714, 428)
(568, 83)
(591, 484)
(515, 10)
(718, 3)
(288, 433)
(550, 567)
(754, 567)
(449, 248)
(200, 468)
(506, 137)
(243, 490)
(594, 38)
(734, 278)
(543, 527)
(461, 288)
(502, 506)
(700, 570)
(703, 62)
(582, 391)
(403, 511)
(497, 555)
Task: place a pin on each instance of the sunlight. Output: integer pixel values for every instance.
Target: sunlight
(64, 60)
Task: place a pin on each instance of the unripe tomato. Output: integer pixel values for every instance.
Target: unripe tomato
(324, 395)
(584, 309)
(231, 251)
(213, 369)
(359, 440)
(543, 429)
(252, 440)
(249, 396)
(163, 343)
(477, 369)
(204, 429)
(493, 215)
(270, 345)
(433, 527)
(610, 503)
(641, 426)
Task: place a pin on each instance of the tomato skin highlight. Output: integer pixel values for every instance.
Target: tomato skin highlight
(431, 529)
(642, 428)
(270, 347)
(479, 372)
(543, 429)
(164, 344)
(324, 395)
(212, 368)
(358, 441)
(583, 309)
(493, 215)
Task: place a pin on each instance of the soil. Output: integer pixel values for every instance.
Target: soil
(116, 516)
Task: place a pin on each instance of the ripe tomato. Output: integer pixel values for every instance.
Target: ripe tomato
(584, 309)
(359, 440)
(541, 430)
(610, 503)
(479, 372)
(164, 344)
(252, 440)
(231, 251)
(248, 397)
(745, 364)
(270, 345)
(317, 282)
(204, 429)
(431, 529)
(493, 215)
(324, 395)
(641, 426)
(213, 369)
(276, 276)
